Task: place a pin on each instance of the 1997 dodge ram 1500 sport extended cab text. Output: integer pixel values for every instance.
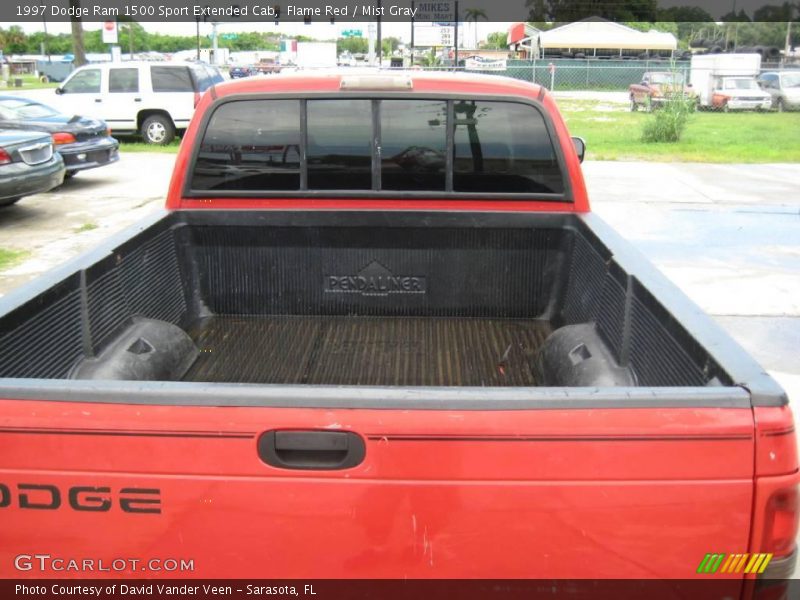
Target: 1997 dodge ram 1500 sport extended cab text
(379, 333)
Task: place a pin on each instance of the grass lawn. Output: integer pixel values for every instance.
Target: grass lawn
(8, 258)
(613, 133)
(29, 82)
(134, 144)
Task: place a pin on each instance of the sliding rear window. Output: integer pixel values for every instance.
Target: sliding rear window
(388, 146)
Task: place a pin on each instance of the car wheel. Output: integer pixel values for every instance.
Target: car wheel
(9, 201)
(70, 174)
(158, 130)
(726, 108)
(780, 106)
(634, 106)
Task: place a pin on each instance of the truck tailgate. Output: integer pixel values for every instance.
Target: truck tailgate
(556, 493)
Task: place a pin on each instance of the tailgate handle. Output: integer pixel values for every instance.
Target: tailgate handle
(313, 449)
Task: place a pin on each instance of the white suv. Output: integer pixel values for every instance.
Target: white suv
(155, 99)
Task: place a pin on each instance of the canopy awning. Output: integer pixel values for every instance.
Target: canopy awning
(606, 35)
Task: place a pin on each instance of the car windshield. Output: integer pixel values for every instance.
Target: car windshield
(673, 78)
(790, 80)
(740, 84)
(24, 109)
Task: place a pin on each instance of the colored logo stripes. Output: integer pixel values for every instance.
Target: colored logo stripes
(734, 563)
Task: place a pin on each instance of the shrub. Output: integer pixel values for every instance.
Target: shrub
(668, 122)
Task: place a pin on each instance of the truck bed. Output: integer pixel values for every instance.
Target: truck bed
(355, 299)
(352, 350)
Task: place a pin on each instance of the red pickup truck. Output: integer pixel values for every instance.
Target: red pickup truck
(378, 333)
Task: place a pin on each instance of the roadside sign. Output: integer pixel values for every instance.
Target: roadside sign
(110, 35)
(436, 11)
(433, 35)
(351, 33)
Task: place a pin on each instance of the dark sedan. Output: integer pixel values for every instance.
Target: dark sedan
(28, 165)
(84, 143)
(242, 71)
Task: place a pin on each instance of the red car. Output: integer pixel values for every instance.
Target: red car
(656, 87)
(379, 333)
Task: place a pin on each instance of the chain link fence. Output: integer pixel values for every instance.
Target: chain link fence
(586, 75)
(611, 79)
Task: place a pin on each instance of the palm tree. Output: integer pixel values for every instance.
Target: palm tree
(474, 15)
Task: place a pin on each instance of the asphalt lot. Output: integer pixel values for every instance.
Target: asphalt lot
(728, 235)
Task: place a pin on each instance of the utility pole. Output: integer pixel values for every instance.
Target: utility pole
(412, 33)
(197, 20)
(214, 45)
(380, 37)
(45, 49)
(371, 42)
(455, 39)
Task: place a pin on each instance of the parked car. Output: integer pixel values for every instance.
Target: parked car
(728, 82)
(28, 165)
(424, 358)
(784, 87)
(241, 71)
(656, 87)
(155, 100)
(268, 66)
(83, 143)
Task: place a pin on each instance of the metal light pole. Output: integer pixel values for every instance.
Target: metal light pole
(46, 49)
(197, 20)
(214, 45)
(380, 37)
(455, 35)
(412, 34)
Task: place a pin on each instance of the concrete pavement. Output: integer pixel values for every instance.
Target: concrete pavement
(727, 235)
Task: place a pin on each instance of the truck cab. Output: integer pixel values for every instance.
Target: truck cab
(739, 93)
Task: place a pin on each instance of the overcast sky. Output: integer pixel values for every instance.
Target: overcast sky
(315, 30)
(325, 30)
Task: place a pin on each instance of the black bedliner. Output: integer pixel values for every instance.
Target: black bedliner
(338, 350)
(446, 300)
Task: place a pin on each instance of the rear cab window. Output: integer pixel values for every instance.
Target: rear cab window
(377, 146)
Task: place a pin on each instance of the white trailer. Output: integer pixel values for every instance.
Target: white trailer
(728, 81)
(316, 55)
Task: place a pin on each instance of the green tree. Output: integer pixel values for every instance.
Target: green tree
(496, 40)
(475, 15)
(353, 45)
(13, 41)
(131, 31)
(774, 13)
(733, 17)
(571, 10)
(389, 45)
